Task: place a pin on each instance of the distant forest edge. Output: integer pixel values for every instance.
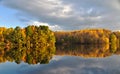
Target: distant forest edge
(88, 36)
(42, 35)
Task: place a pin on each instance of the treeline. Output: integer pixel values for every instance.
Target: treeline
(29, 36)
(88, 36)
(33, 44)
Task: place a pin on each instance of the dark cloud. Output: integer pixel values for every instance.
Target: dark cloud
(70, 14)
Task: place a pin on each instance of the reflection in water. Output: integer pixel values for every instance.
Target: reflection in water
(60, 64)
(66, 65)
(86, 50)
(44, 54)
(34, 55)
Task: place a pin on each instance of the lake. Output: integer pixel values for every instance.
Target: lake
(72, 59)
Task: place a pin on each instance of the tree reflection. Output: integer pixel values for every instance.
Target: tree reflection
(87, 50)
(40, 55)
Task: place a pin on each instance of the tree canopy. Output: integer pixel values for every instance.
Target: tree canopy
(34, 44)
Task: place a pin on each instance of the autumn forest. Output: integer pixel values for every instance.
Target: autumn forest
(37, 44)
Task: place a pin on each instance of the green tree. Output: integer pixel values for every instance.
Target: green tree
(113, 42)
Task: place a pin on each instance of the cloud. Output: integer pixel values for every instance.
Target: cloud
(70, 14)
(52, 27)
(77, 65)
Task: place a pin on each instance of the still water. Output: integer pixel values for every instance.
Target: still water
(66, 65)
(96, 60)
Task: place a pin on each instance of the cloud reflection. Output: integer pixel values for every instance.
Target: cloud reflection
(77, 65)
(66, 65)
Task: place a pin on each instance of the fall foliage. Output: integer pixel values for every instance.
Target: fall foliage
(88, 36)
(36, 44)
(32, 44)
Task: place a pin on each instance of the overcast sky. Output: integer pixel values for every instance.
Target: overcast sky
(61, 14)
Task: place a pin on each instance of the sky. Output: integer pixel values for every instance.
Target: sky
(61, 14)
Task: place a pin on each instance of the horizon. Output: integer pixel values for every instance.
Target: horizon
(63, 30)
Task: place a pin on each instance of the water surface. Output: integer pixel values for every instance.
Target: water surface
(66, 65)
(78, 59)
